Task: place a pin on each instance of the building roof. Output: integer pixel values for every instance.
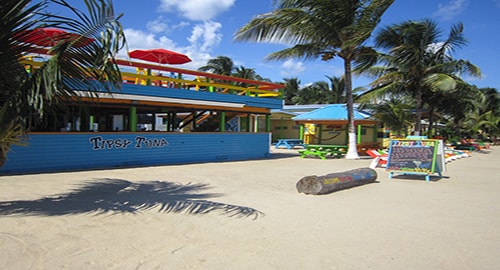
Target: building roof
(332, 112)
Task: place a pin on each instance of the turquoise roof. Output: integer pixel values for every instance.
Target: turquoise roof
(331, 112)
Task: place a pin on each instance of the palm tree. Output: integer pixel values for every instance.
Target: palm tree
(338, 94)
(492, 100)
(395, 113)
(484, 117)
(418, 63)
(320, 28)
(27, 95)
(245, 73)
(452, 104)
(316, 93)
(221, 65)
(292, 86)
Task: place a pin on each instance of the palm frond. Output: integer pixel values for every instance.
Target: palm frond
(306, 51)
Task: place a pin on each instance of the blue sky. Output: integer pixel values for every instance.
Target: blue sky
(204, 29)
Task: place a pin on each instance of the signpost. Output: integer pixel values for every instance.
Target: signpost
(416, 156)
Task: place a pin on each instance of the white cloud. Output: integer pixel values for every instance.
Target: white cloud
(206, 36)
(292, 68)
(161, 25)
(137, 39)
(158, 25)
(197, 10)
(450, 10)
(203, 39)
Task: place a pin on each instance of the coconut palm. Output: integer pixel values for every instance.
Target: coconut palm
(395, 113)
(292, 86)
(221, 65)
(416, 62)
(245, 73)
(454, 104)
(27, 94)
(338, 94)
(483, 118)
(320, 29)
(316, 93)
(492, 100)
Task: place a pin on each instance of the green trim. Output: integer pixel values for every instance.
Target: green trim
(359, 134)
(222, 122)
(132, 113)
(248, 123)
(91, 123)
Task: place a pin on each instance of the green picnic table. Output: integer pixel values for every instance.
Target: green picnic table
(324, 150)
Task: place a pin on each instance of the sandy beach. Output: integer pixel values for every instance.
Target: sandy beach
(248, 215)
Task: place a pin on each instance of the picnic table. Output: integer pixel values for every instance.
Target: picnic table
(324, 150)
(289, 143)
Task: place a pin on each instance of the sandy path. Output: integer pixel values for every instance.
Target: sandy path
(112, 219)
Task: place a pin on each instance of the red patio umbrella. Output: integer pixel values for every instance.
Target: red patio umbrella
(161, 56)
(49, 37)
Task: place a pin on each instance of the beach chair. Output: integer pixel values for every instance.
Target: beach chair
(378, 159)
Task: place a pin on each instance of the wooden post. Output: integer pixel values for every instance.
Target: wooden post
(268, 123)
(324, 184)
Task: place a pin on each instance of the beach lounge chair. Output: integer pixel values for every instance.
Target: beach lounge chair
(378, 159)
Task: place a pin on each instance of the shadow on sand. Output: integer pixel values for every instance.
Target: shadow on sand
(112, 196)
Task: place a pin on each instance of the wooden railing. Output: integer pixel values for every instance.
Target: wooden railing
(170, 77)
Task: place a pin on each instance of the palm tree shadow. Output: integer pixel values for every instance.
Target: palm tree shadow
(121, 196)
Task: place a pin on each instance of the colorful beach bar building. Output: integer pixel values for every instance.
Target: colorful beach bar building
(162, 115)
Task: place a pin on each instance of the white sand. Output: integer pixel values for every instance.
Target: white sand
(400, 223)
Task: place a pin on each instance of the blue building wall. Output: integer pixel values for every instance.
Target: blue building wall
(81, 151)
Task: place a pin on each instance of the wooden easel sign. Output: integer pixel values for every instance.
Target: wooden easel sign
(414, 156)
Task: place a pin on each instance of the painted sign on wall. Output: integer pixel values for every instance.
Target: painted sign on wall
(102, 143)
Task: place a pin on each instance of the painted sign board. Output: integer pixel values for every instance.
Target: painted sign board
(415, 156)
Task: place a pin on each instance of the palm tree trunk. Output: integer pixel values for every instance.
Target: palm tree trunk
(352, 151)
(430, 131)
(418, 113)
